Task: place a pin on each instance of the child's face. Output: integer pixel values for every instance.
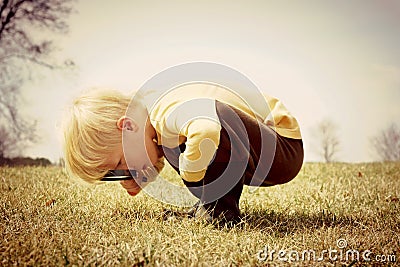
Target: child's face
(138, 151)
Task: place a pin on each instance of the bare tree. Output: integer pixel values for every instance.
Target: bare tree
(22, 22)
(387, 144)
(326, 140)
(7, 143)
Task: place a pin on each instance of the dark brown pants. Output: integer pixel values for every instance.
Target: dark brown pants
(249, 153)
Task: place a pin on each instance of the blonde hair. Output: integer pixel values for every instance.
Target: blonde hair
(91, 133)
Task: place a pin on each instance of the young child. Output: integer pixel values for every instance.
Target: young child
(209, 135)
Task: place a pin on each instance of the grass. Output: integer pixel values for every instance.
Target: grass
(47, 219)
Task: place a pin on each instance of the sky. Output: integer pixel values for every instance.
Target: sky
(336, 60)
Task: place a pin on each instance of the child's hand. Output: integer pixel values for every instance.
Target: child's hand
(131, 187)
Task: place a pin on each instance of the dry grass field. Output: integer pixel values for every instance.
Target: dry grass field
(330, 215)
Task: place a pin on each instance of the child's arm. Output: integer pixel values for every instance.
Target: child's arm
(197, 120)
(202, 142)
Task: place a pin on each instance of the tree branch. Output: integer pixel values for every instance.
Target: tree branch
(3, 7)
(19, 51)
(11, 13)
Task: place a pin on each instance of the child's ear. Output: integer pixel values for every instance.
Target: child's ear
(126, 123)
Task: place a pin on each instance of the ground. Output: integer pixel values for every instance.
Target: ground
(330, 215)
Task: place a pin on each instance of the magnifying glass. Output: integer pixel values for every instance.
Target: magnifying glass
(119, 175)
(147, 175)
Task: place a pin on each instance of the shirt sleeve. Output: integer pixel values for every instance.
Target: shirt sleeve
(201, 144)
(281, 120)
(196, 120)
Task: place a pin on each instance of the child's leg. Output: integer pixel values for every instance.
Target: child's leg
(268, 158)
(216, 192)
(224, 179)
(286, 164)
(220, 189)
(221, 192)
(249, 153)
(271, 159)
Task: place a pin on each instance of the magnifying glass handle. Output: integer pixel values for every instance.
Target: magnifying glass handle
(119, 175)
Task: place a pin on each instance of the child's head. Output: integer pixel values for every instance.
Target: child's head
(91, 134)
